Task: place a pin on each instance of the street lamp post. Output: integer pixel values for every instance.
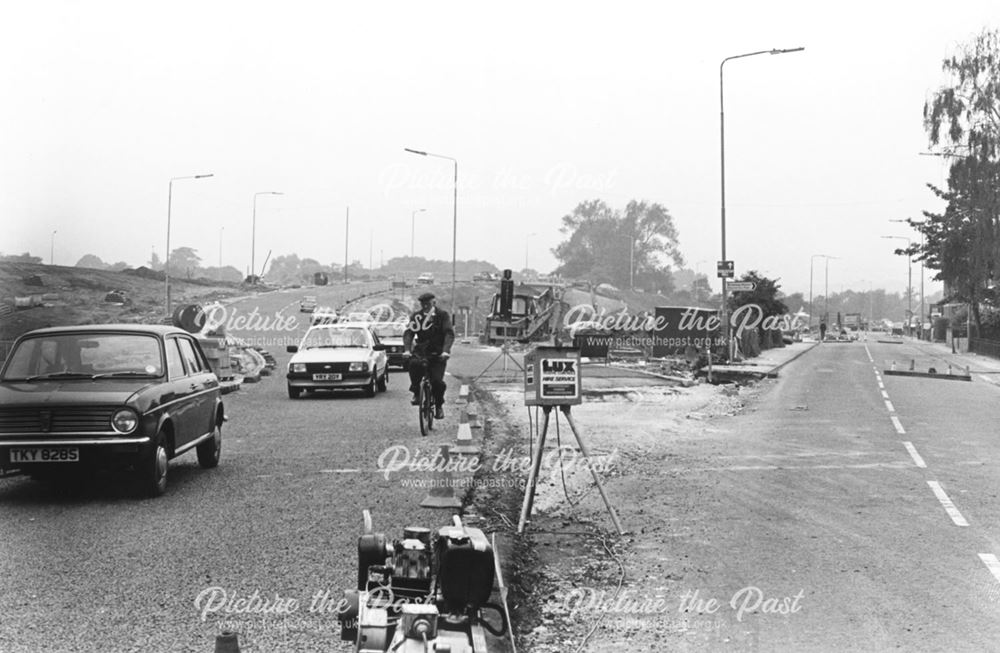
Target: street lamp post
(826, 289)
(811, 259)
(909, 280)
(722, 157)
(413, 228)
(253, 235)
(52, 248)
(166, 261)
(454, 227)
(923, 310)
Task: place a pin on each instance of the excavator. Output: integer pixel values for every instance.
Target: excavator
(525, 313)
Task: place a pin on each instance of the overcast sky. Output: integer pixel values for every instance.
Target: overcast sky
(543, 105)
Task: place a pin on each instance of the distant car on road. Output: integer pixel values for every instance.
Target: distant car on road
(112, 396)
(426, 278)
(307, 304)
(390, 334)
(485, 276)
(340, 356)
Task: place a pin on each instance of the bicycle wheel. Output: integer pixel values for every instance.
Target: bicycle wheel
(422, 413)
(428, 405)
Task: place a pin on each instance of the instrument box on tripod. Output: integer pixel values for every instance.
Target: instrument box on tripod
(552, 376)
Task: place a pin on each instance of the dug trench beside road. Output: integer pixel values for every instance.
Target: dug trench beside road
(635, 426)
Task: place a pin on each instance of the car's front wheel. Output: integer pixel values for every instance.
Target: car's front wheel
(383, 382)
(153, 468)
(293, 393)
(210, 450)
(372, 386)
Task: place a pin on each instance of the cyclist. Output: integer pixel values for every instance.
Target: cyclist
(428, 338)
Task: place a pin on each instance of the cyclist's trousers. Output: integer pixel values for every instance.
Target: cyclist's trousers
(437, 368)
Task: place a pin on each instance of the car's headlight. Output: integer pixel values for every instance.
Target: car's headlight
(359, 367)
(125, 420)
(298, 367)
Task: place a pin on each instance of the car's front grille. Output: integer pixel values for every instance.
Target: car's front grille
(320, 368)
(58, 419)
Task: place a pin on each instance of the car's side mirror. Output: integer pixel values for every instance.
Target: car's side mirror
(378, 347)
(291, 349)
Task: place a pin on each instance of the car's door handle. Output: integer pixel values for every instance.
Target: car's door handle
(195, 386)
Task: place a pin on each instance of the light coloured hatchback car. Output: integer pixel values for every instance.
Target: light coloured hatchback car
(342, 356)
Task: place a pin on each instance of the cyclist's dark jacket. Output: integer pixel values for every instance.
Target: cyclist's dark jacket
(432, 331)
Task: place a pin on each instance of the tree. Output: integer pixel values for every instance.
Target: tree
(964, 114)
(185, 260)
(963, 117)
(91, 261)
(630, 249)
(21, 258)
(765, 296)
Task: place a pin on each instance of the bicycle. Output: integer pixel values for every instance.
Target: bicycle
(425, 402)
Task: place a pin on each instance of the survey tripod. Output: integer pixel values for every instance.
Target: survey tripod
(552, 380)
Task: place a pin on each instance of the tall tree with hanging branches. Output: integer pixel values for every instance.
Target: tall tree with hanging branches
(962, 119)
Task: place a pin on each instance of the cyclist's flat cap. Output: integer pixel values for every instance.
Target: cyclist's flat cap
(426, 297)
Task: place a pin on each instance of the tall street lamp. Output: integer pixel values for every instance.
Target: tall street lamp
(166, 261)
(454, 227)
(253, 235)
(722, 150)
(811, 259)
(909, 280)
(826, 289)
(413, 228)
(52, 248)
(923, 310)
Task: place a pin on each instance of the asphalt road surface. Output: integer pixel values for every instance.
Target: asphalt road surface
(872, 498)
(94, 569)
(863, 506)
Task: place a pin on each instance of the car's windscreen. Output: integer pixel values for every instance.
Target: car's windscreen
(317, 338)
(390, 330)
(90, 355)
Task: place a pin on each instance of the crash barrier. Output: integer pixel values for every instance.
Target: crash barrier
(427, 591)
(931, 372)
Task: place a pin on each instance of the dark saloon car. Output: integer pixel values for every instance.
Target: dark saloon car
(390, 334)
(113, 396)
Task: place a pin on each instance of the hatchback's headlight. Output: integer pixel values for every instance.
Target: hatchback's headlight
(125, 420)
(298, 367)
(359, 367)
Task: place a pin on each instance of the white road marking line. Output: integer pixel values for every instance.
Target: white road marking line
(949, 507)
(897, 424)
(991, 563)
(888, 404)
(881, 385)
(913, 454)
(885, 395)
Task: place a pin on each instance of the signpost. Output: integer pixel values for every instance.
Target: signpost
(741, 286)
(725, 269)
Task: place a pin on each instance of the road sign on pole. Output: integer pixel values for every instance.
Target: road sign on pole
(725, 269)
(738, 286)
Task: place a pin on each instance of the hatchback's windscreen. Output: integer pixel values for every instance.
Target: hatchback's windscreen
(85, 355)
(320, 338)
